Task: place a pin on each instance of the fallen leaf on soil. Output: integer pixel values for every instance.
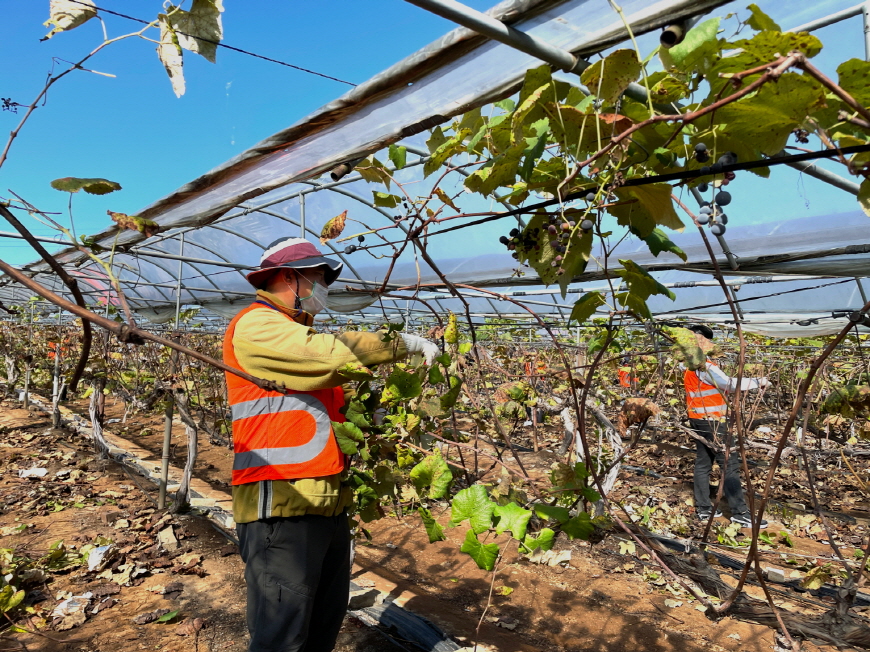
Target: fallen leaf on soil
(102, 590)
(190, 626)
(231, 549)
(550, 557)
(105, 604)
(68, 622)
(635, 410)
(150, 616)
(673, 604)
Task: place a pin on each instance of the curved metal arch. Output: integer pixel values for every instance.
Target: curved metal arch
(109, 287)
(214, 253)
(236, 234)
(171, 275)
(202, 274)
(315, 234)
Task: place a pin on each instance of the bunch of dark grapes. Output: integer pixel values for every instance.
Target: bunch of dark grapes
(526, 240)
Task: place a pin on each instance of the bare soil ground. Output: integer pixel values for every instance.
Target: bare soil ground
(601, 599)
(82, 499)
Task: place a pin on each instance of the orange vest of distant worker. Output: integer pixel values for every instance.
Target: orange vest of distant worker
(702, 400)
(280, 436)
(625, 377)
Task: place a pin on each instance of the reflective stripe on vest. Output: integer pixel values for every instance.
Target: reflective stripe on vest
(703, 401)
(285, 454)
(280, 436)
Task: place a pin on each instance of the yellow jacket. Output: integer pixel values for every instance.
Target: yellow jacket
(268, 346)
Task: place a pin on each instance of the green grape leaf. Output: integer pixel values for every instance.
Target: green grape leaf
(436, 376)
(355, 371)
(697, 51)
(686, 348)
(854, 77)
(501, 171)
(165, 618)
(585, 307)
(401, 386)
(483, 554)
(373, 171)
(767, 119)
(522, 115)
(385, 481)
(645, 208)
(448, 148)
(433, 473)
(579, 527)
(641, 286)
(533, 80)
(553, 512)
(348, 435)
(436, 140)
(535, 150)
(90, 186)
(658, 242)
(473, 504)
(10, 598)
(385, 199)
(608, 78)
(864, 196)
(514, 518)
(665, 88)
(449, 398)
(817, 577)
(434, 531)
(545, 539)
(760, 21)
(767, 46)
(398, 155)
(357, 414)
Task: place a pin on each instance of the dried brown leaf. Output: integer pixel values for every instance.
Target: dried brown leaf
(333, 228)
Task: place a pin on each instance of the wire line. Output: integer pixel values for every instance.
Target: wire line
(219, 44)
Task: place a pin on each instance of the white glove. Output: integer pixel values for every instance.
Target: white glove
(416, 344)
(763, 382)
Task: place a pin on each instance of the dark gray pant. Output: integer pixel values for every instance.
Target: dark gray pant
(298, 574)
(704, 458)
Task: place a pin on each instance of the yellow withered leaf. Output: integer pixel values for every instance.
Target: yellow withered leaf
(333, 228)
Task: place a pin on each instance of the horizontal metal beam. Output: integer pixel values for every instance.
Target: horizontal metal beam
(813, 25)
(498, 31)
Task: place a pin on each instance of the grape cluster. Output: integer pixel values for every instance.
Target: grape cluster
(349, 249)
(526, 240)
(711, 212)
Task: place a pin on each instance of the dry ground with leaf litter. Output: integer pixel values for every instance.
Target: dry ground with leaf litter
(604, 597)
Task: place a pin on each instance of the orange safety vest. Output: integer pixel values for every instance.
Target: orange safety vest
(702, 400)
(279, 436)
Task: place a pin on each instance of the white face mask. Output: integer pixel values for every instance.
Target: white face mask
(316, 301)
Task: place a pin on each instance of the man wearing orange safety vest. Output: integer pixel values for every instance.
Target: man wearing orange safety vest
(288, 498)
(705, 401)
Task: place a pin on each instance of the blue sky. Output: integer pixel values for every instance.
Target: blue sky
(132, 128)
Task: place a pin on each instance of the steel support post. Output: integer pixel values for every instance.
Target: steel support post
(178, 282)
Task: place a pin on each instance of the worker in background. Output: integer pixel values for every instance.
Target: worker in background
(705, 400)
(624, 373)
(288, 498)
